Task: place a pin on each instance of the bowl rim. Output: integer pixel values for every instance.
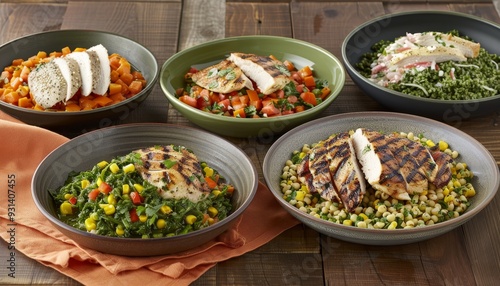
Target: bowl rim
(306, 113)
(121, 128)
(149, 85)
(354, 72)
(386, 115)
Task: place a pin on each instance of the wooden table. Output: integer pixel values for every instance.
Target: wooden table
(469, 255)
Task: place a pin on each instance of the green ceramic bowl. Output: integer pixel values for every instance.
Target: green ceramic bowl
(139, 56)
(325, 65)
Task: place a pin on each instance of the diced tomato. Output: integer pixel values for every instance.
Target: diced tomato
(280, 93)
(105, 188)
(202, 103)
(270, 110)
(244, 99)
(300, 108)
(285, 112)
(72, 200)
(193, 70)
(300, 88)
(325, 92)
(292, 99)
(188, 100)
(309, 97)
(224, 104)
(296, 77)
(257, 104)
(93, 194)
(236, 103)
(136, 198)
(133, 215)
(223, 96)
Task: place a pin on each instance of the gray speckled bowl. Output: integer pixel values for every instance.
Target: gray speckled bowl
(479, 160)
(83, 152)
(324, 64)
(389, 27)
(139, 57)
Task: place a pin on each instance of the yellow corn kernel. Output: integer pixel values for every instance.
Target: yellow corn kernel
(114, 168)
(443, 145)
(84, 183)
(448, 199)
(393, 225)
(139, 188)
(99, 181)
(66, 208)
(125, 189)
(375, 203)
(90, 224)
(108, 208)
(166, 209)
(190, 219)
(457, 184)
(68, 196)
(430, 143)
(470, 193)
(102, 164)
(210, 221)
(300, 195)
(423, 193)
(119, 230)
(347, 222)
(212, 212)
(161, 223)
(216, 193)
(446, 191)
(304, 189)
(111, 199)
(365, 217)
(209, 172)
(129, 168)
(143, 218)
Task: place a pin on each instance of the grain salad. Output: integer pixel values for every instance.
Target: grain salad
(377, 209)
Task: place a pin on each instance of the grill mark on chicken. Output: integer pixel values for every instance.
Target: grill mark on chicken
(424, 159)
(443, 162)
(319, 167)
(223, 77)
(416, 181)
(181, 180)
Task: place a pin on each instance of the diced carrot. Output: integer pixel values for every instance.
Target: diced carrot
(6, 74)
(17, 62)
(102, 100)
(24, 73)
(257, 104)
(55, 54)
(114, 61)
(38, 107)
(87, 103)
(135, 87)
(236, 103)
(79, 49)
(137, 75)
(41, 55)
(11, 97)
(28, 63)
(125, 90)
(325, 92)
(24, 102)
(309, 81)
(239, 113)
(309, 97)
(124, 67)
(15, 82)
(253, 95)
(210, 182)
(117, 97)
(300, 108)
(23, 90)
(127, 78)
(114, 76)
(289, 65)
(115, 88)
(70, 107)
(305, 71)
(65, 50)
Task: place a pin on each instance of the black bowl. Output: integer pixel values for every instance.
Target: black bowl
(139, 57)
(389, 27)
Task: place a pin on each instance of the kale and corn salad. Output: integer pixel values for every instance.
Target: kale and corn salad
(115, 199)
(377, 209)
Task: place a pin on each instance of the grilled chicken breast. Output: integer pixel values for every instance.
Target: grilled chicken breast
(174, 170)
(423, 157)
(269, 74)
(443, 160)
(71, 73)
(47, 84)
(103, 78)
(331, 169)
(380, 167)
(467, 48)
(416, 181)
(435, 54)
(90, 70)
(223, 77)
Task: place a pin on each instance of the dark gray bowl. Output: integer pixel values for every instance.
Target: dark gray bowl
(389, 27)
(139, 56)
(82, 152)
(486, 174)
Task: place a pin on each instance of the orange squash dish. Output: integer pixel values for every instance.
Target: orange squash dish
(62, 81)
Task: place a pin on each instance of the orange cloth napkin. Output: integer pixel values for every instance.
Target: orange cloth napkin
(23, 147)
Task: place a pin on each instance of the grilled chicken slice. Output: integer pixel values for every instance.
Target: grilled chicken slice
(174, 170)
(346, 174)
(443, 162)
(269, 74)
(422, 155)
(380, 167)
(304, 174)
(47, 84)
(467, 48)
(223, 77)
(416, 181)
(71, 73)
(319, 167)
(427, 54)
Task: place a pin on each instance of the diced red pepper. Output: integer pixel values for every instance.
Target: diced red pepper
(93, 194)
(72, 200)
(136, 198)
(133, 215)
(105, 188)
